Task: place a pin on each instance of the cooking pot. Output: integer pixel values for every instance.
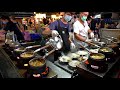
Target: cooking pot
(97, 64)
(115, 47)
(108, 52)
(97, 59)
(38, 64)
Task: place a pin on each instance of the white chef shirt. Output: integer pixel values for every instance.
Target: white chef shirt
(81, 30)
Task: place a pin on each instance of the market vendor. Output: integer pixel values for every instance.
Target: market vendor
(9, 25)
(82, 30)
(62, 28)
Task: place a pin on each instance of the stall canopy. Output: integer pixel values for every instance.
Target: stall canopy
(18, 14)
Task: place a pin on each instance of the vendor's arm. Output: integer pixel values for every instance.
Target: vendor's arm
(77, 33)
(52, 26)
(90, 32)
(79, 37)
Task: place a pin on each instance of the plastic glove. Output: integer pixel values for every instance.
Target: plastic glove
(72, 46)
(54, 33)
(88, 40)
(92, 35)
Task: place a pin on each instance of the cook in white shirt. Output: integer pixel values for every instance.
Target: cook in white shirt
(82, 30)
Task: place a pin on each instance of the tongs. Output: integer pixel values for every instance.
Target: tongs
(94, 44)
(85, 48)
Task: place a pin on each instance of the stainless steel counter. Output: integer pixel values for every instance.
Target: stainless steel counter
(59, 71)
(9, 70)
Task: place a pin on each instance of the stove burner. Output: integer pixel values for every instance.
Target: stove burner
(30, 74)
(112, 59)
(100, 69)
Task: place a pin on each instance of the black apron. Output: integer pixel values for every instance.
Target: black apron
(64, 33)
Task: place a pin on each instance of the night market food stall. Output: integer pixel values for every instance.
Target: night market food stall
(35, 58)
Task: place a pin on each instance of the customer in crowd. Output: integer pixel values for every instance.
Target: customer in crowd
(9, 25)
(82, 30)
(118, 26)
(17, 23)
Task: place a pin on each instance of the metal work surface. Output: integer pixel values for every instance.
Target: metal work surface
(64, 67)
(8, 68)
(102, 75)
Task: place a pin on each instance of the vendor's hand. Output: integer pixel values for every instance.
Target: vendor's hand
(92, 35)
(88, 41)
(54, 33)
(72, 45)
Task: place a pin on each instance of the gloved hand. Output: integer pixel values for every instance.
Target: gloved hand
(72, 45)
(49, 42)
(92, 35)
(55, 33)
(88, 40)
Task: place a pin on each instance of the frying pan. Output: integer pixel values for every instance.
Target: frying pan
(57, 44)
(32, 52)
(25, 48)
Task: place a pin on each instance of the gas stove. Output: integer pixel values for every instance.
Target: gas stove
(33, 74)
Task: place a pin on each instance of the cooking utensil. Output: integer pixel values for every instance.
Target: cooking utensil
(22, 49)
(37, 64)
(37, 50)
(40, 65)
(32, 52)
(56, 42)
(108, 52)
(112, 38)
(85, 48)
(94, 44)
(97, 59)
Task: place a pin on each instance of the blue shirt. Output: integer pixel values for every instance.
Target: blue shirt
(54, 25)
